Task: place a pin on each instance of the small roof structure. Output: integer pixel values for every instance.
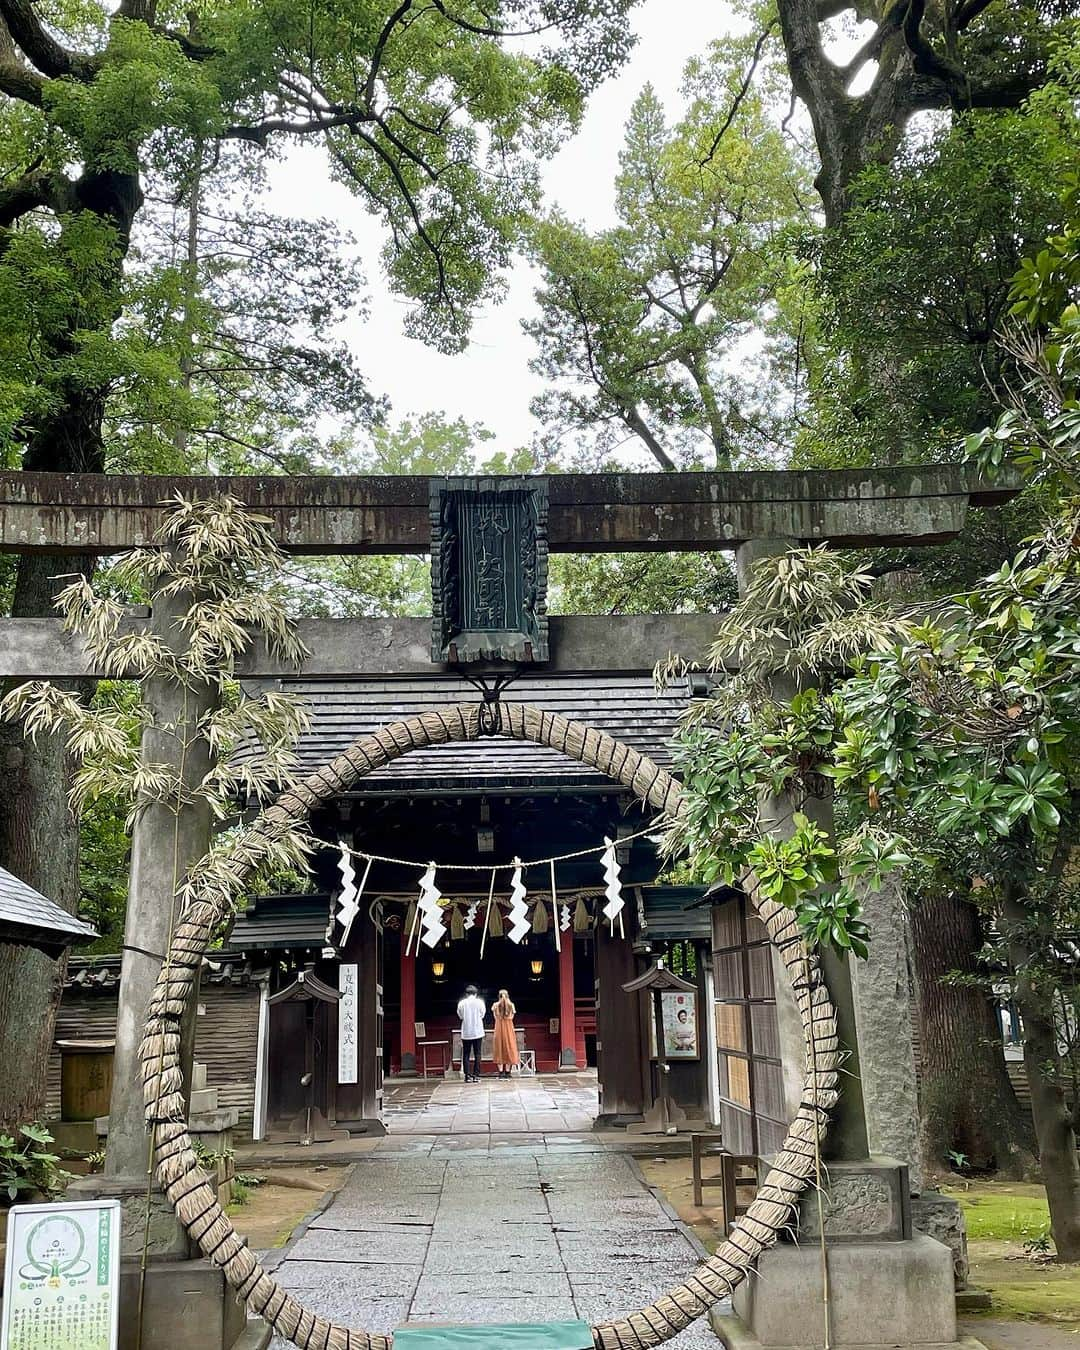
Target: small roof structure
(282, 922)
(659, 977)
(29, 919)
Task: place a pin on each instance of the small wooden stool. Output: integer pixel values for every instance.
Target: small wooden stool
(737, 1170)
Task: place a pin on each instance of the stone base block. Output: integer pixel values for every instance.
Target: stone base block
(940, 1216)
(865, 1201)
(165, 1237)
(77, 1136)
(880, 1294)
(205, 1099)
(187, 1305)
(218, 1122)
(734, 1335)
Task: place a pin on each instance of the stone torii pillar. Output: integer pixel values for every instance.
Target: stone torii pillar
(161, 1290)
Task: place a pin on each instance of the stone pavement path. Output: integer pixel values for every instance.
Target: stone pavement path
(998, 1335)
(540, 1104)
(532, 1231)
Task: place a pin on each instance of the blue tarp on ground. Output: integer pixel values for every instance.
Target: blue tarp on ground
(506, 1336)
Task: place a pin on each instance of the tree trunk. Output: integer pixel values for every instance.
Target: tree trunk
(967, 1103)
(39, 843)
(39, 839)
(1053, 1119)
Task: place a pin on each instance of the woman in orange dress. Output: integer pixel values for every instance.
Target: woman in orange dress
(505, 1050)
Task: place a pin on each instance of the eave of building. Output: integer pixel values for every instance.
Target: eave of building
(625, 705)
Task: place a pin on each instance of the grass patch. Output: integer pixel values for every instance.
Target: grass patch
(1002, 1217)
(1004, 1212)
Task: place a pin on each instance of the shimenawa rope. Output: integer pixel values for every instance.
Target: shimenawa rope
(194, 1197)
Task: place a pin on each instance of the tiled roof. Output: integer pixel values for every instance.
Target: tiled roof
(28, 919)
(103, 972)
(626, 706)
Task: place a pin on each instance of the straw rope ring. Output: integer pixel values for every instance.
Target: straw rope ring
(210, 897)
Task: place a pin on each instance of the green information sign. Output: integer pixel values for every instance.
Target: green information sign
(62, 1277)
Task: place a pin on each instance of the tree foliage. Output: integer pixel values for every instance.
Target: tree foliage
(641, 325)
(912, 291)
(433, 115)
(957, 727)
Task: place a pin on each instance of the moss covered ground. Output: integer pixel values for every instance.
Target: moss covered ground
(1008, 1223)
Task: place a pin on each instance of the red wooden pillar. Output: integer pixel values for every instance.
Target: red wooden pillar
(408, 1013)
(567, 1027)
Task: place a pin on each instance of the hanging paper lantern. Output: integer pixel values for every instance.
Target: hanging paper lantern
(519, 911)
(432, 925)
(582, 919)
(540, 917)
(457, 925)
(613, 889)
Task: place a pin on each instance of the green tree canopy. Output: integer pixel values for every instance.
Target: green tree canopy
(641, 325)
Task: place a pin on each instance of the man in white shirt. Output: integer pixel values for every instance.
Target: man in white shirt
(471, 1010)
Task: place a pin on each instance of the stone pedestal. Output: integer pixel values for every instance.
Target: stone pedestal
(858, 1202)
(164, 1237)
(940, 1216)
(894, 1294)
(186, 1305)
(889, 1286)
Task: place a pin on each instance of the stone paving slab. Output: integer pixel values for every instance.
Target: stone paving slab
(491, 1234)
(318, 1280)
(373, 1246)
(379, 1314)
(447, 1259)
(471, 1308)
(517, 1281)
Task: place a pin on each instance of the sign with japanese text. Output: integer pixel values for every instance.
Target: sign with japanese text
(489, 570)
(62, 1276)
(348, 1022)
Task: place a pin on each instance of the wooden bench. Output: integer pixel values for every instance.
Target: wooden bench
(737, 1172)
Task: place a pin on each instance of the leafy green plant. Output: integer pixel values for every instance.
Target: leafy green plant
(1040, 1247)
(26, 1165)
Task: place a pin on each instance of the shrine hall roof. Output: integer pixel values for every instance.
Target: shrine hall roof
(29, 919)
(626, 706)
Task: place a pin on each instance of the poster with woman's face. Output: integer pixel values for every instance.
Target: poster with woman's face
(680, 1024)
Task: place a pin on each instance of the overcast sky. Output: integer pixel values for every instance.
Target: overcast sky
(490, 382)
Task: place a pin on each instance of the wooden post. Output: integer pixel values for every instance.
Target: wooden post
(567, 1026)
(408, 1012)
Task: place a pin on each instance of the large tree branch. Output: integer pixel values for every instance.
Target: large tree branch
(637, 424)
(926, 60)
(17, 80)
(380, 49)
(871, 48)
(38, 45)
(26, 194)
(740, 96)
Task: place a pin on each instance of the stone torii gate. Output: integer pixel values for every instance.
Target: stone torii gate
(754, 514)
